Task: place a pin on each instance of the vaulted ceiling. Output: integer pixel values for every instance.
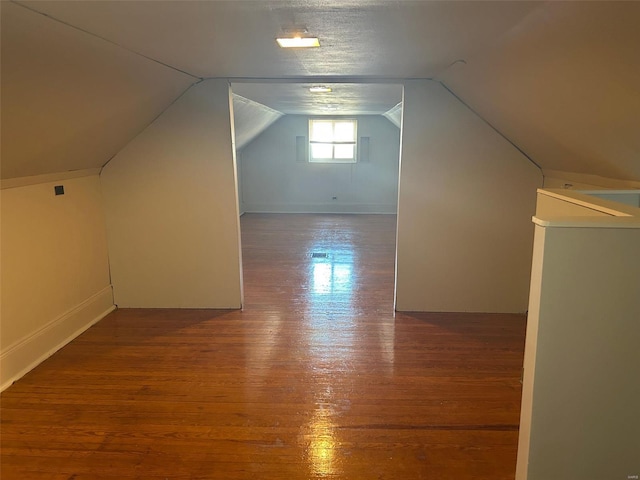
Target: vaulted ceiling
(564, 85)
(560, 79)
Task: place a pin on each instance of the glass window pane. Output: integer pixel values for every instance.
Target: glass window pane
(321, 131)
(332, 140)
(321, 150)
(344, 132)
(344, 151)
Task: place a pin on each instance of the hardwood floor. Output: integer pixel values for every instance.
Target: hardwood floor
(314, 379)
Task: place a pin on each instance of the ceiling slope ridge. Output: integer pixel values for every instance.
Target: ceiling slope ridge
(144, 127)
(87, 32)
(493, 127)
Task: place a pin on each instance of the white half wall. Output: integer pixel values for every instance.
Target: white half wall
(55, 270)
(579, 417)
(466, 200)
(172, 210)
(273, 179)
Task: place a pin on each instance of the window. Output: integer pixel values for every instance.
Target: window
(332, 141)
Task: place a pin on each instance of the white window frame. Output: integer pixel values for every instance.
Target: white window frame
(333, 158)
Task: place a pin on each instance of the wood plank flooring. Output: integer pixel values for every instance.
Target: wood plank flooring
(315, 378)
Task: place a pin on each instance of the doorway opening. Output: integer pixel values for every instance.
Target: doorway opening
(317, 172)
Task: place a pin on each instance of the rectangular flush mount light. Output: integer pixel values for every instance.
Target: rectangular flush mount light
(320, 89)
(298, 42)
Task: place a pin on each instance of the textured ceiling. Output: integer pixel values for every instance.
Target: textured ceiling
(365, 38)
(388, 38)
(344, 98)
(559, 79)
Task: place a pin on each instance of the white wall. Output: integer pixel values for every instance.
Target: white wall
(581, 181)
(55, 272)
(71, 100)
(593, 203)
(562, 87)
(628, 197)
(579, 417)
(171, 208)
(466, 199)
(273, 181)
(547, 205)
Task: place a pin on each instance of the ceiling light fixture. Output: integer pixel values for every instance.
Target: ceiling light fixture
(298, 42)
(320, 89)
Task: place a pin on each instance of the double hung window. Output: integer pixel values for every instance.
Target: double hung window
(332, 140)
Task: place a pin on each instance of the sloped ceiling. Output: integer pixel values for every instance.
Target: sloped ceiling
(344, 98)
(564, 86)
(250, 119)
(560, 79)
(70, 101)
(390, 38)
(394, 115)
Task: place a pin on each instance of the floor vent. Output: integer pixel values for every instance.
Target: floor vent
(319, 255)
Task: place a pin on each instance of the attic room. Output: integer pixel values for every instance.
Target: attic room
(189, 291)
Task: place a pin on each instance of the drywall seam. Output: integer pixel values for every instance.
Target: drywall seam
(494, 128)
(104, 39)
(18, 359)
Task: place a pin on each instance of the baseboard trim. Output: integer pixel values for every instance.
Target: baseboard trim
(321, 208)
(27, 353)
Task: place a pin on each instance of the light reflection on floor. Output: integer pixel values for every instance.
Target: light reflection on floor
(327, 334)
(322, 444)
(331, 278)
(330, 312)
(331, 318)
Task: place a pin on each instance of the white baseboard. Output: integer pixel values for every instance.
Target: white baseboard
(27, 353)
(320, 208)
